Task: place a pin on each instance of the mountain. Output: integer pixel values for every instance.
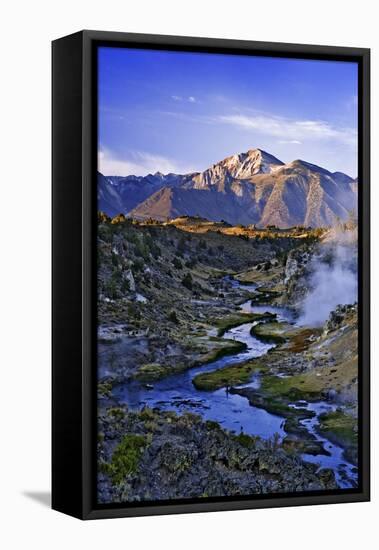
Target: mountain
(248, 188)
(237, 167)
(108, 199)
(118, 194)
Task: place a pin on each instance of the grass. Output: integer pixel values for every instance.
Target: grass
(104, 389)
(234, 320)
(151, 372)
(297, 386)
(300, 340)
(225, 377)
(340, 427)
(264, 295)
(272, 333)
(221, 348)
(294, 339)
(125, 458)
(246, 440)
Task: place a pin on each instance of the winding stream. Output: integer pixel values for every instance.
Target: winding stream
(233, 411)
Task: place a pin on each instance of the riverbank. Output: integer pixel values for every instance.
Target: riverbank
(160, 455)
(231, 353)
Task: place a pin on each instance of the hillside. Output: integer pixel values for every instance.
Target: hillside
(201, 346)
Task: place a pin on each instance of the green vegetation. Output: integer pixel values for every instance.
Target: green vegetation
(125, 458)
(218, 348)
(173, 318)
(295, 339)
(151, 372)
(209, 350)
(138, 265)
(104, 389)
(340, 427)
(125, 285)
(117, 413)
(235, 319)
(246, 440)
(191, 263)
(297, 386)
(187, 281)
(212, 425)
(272, 333)
(176, 262)
(110, 288)
(226, 377)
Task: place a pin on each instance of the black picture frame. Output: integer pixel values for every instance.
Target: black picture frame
(74, 137)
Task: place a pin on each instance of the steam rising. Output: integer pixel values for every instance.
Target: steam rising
(333, 280)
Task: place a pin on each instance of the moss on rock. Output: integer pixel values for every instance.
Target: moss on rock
(125, 458)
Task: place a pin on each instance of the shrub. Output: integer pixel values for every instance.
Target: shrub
(105, 233)
(173, 317)
(177, 263)
(133, 311)
(125, 285)
(245, 440)
(116, 413)
(156, 251)
(114, 259)
(187, 281)
(141, 250)
(110, 288)
(191, 263)
(138, 264)
(132, 237)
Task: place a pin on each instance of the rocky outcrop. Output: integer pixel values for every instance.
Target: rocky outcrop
(342, 315)
(295, 272)
(167, 456)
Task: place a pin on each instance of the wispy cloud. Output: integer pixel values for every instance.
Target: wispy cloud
(291, 130)
(290, 141)
(138, 163)
(189, 99)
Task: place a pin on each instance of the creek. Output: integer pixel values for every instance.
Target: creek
(234, 412)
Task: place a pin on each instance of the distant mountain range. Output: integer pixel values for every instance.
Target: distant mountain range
(248, 188)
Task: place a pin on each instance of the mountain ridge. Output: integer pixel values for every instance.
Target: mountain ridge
(246, 188)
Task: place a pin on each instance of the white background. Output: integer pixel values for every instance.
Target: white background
(27, 29)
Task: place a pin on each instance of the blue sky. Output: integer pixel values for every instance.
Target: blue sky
(181, 112)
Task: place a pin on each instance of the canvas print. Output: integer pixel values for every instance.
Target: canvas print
(227, 279)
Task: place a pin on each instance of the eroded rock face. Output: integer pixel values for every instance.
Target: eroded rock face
(128, 276)
(295, 271)
(342, 315)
